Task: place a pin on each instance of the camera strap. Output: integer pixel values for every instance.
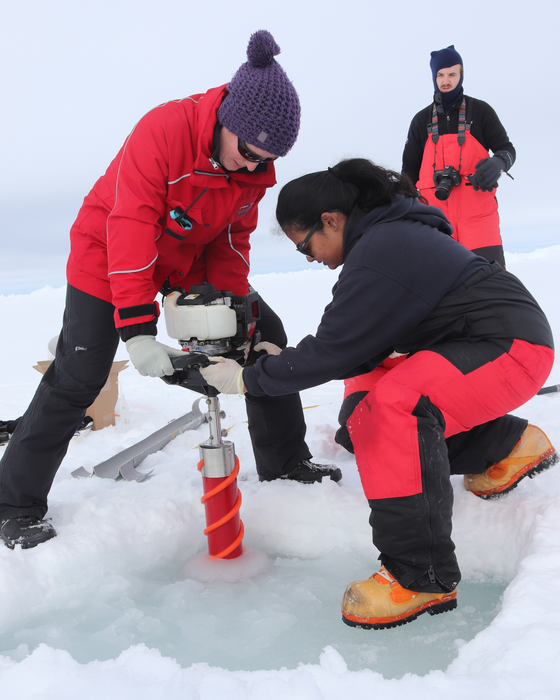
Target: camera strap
(433, 128)
(463, 126)
(462, 123)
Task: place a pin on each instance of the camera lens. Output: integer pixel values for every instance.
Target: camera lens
(443, 190)
(445, 180)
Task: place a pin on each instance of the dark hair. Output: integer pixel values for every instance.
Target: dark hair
(356, 182)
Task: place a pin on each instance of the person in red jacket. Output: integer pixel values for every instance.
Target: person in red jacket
(176, 206)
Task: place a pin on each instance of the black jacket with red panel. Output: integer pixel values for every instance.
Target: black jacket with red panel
(406, 285)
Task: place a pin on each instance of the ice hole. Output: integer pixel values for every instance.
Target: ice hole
(280, 613)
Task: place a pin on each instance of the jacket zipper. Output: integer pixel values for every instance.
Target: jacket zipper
(203, 172)
(216, 166)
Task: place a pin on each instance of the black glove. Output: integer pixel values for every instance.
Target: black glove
(487, 173)
(474, 182)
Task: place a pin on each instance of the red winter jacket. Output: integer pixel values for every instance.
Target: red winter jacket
(124, 243)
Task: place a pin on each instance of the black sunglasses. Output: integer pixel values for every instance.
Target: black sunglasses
(303, 247)
(249, 155)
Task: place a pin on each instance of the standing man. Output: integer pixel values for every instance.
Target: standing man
(177, 204)
(447, 156)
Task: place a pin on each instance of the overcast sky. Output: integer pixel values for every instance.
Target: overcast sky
(76, 77)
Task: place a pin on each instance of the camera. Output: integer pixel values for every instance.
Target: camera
(445, 180)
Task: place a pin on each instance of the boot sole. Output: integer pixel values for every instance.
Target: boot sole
(28, 542)
(434, 607)
(34, 541)
(531, 470)
(335, 475)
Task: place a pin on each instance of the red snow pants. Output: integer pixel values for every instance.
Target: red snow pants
(473, 214)
(399, 431)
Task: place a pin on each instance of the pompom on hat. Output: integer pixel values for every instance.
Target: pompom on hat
(262, 106)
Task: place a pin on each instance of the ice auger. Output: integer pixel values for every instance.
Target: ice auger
(207, 323)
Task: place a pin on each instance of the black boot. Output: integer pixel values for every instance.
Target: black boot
(28, 531)
(308, 472)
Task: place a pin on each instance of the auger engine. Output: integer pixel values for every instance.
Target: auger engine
(211, 322)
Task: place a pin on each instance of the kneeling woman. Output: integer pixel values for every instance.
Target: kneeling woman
(477, 346)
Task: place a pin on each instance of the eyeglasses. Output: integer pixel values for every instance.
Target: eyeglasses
(249, 155)
(303, 247)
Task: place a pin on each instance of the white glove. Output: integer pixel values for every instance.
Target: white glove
(224, 374)
(151, 358)
(269, 347)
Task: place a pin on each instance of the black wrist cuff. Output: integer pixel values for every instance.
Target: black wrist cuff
(506, 157)
(128, 332)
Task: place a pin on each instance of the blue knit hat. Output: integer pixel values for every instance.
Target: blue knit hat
(445, 58)
(262, 106)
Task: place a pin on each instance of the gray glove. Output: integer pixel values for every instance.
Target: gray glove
(151, 358)
(225, 374)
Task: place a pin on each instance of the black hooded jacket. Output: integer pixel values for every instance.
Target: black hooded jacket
(406, 285)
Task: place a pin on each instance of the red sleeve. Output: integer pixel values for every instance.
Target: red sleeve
(133, 225)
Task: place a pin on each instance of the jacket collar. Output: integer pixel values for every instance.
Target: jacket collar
(207, 171)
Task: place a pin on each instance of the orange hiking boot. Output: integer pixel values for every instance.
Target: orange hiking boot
(532, 454)
(381, 602)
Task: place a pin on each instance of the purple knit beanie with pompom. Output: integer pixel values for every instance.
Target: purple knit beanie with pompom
(262, 106)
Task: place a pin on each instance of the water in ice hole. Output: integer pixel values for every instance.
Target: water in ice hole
(280, 617)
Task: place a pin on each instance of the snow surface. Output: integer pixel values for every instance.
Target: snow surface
(125, 604)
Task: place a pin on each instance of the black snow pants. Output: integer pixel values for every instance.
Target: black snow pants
(84, 356)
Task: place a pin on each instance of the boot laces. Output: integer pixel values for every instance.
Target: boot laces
(384, 574)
